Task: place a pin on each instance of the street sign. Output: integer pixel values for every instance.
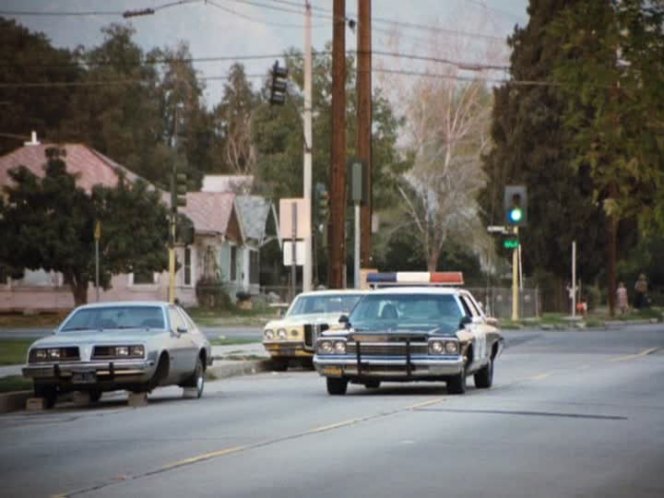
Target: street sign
(288, 252)
(511, 243)
(303, 218)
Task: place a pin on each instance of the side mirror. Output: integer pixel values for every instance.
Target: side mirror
(182, 330)
(344, 319)
(465, 320)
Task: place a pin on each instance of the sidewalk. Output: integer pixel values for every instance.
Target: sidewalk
(228, 361)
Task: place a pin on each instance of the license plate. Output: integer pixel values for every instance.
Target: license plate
(332, 371)
(84, 378)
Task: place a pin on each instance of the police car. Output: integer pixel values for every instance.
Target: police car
(412, 327)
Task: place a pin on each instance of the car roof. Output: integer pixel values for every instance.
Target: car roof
(422, 289)
(112, 304)
(333, 292)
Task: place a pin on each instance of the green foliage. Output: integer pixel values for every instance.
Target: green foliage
(14, 351)
(48, 223)
(531, 147)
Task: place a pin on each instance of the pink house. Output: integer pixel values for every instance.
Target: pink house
(216, 251)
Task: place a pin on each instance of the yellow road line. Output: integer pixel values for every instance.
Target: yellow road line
(425, 403)
(541, 376)
(334, 426)
(645, 352)
(202, 457)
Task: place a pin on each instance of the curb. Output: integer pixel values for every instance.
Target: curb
(15, 401)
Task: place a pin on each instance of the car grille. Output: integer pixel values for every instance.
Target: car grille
(387, 349)
(311, 333)
(103, 352)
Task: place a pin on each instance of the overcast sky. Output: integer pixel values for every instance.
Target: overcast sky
(466, 30)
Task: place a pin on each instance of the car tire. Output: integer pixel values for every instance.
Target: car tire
(48, 393)
(336, 387)
(197, 379)
(484, 377)
(95, 396)
(372, 384)
(457, 384)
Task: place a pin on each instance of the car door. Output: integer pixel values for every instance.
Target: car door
(183, 348)
(477, 328)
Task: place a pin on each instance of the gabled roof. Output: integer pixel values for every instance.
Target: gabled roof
(92, 167)
(239, 184)
(253, 211)
(211, 212)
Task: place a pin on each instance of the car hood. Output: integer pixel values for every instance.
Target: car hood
(294, 320)
(83, 337)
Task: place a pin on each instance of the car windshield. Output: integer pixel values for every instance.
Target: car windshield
(406, 312)
(115, 317)
(324, 303)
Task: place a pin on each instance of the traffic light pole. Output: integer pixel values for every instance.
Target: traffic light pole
(515, 279)
(307, 268)
(171, 240)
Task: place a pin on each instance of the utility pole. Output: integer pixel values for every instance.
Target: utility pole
(364, 117)
(337, 222)
(308, 144)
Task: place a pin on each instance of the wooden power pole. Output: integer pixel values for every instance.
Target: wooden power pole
(337, 223)
(364, 117)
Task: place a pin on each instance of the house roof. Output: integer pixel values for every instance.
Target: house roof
(239, 184)
(92, 167)
(253, 211)
(210, 211)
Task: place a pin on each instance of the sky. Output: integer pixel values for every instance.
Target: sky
(468, 31)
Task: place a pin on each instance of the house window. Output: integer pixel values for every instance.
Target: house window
(187, 266)
(254, 267)
(233, 263)
(144, 277)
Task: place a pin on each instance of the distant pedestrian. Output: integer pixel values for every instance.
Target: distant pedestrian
(640, 291)
(621, 295)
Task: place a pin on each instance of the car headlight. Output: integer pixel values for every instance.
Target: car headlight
(325, 347)
(452, 347)
(269, 334)
(53, 354)
(122, 351)
(340, 347)
(282, 334)
(137, 351)
(436, 347)
(39, 354)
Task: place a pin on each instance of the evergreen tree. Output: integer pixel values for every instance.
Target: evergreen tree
(531, 147)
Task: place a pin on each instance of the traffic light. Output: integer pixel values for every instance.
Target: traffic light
(516, 205)
(184, 232)
(279, 84)
(181, 189)
(323, 200)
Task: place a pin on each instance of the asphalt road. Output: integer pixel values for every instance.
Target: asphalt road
(571, 414)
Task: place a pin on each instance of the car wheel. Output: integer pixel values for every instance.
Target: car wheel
(160, 374)
(95, 396)
(279, 364)
(372, 384)
(484, 377)
(197, 379)
(336, 387)
(49, 393)
(457, 384)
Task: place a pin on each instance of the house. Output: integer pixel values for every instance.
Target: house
(229, 230)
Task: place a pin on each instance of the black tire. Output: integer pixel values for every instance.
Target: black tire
(372, 384)
(160, 374)
(95, 396)
(484, 377)
(457, 384)
(48, 393)
(336, 386)
(279, 364)
(197, 379)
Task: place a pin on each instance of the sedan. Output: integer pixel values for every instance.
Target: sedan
(134, 346)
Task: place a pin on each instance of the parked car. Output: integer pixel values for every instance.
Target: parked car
(293, 337)
(136, 346)
(407, 334)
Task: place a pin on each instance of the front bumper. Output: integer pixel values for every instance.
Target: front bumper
(284, 349)
(395, 368)
(91, 372)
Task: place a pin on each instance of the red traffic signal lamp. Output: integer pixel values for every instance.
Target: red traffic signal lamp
(516, 205)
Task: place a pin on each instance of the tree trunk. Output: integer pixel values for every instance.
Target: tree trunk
(432, 262)
(80, 291)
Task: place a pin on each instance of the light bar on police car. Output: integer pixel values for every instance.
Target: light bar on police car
(416, 278)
